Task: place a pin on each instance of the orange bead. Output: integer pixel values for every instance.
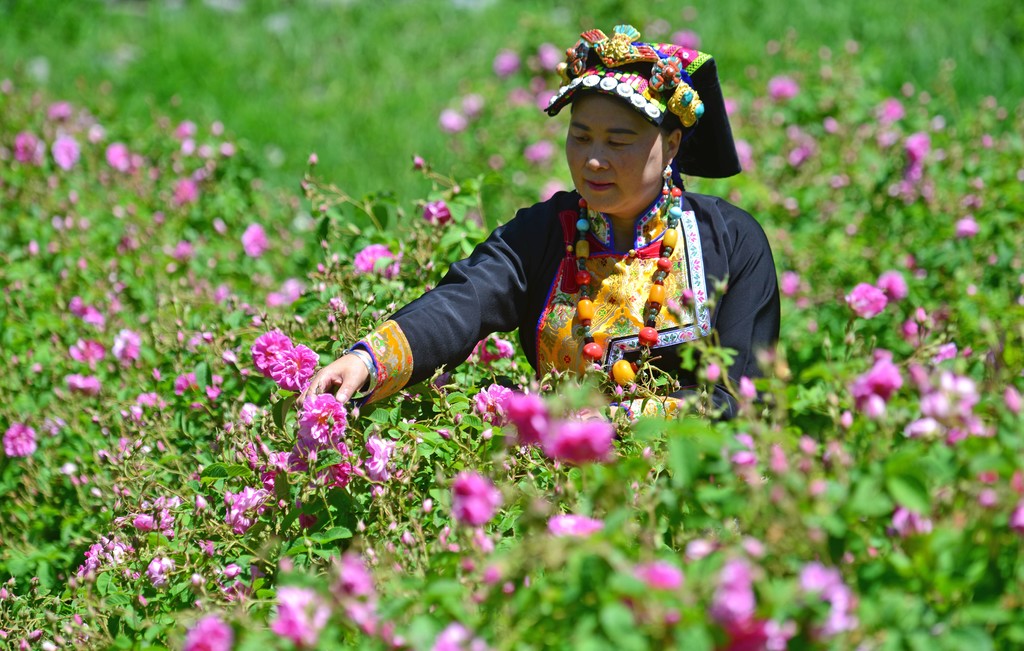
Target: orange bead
(670, 238)
(657, 294)
(623, 372)
(585, 309)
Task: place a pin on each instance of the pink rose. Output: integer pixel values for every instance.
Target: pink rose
(118, 157)
(577, 526)
(660, 575)
(254, 241)
(579, 442)
(474, 499)
(781, 88)
(867, 301)
(65, 152)
(19, 440)
(893, 285)
(209, 634)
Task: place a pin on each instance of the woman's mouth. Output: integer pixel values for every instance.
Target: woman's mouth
(598, 187)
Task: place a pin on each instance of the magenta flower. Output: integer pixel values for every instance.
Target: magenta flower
(354, 580)
(436, 213)
(872, 390)
(660, 575)
(867, 301)
(474, 499)
(294, 368)
(579, 442)
(576, 526)
(907, 523)
(966, 227)
(291, 291)
(1011, 398)
(893, 285)
(539, 152)
(890, 111)
(502, 349)
(118, 157)
(243, 507)
(254, 241)
(209, 634)
(127, 346)
(529, 414)
(65, 152)
(456, 637)
(29, 149)
(1016, 521)
(506, 63)
(472, 105)
(452, 121)
(88, 351)
(185, 191)
(734, 603)
(490, 403)
(322, 423)
(86, 385)
(781, 88)
(790, 283)
(549, 56)
(19, 440)
(380, 455)
(268, 349)
(369, 261)
(185, 382)
(301, 615)
(158, 570)
(59, 111)
(686, 38)
(917, 147)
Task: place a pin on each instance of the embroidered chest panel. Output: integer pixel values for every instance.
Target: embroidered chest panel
(621, 285)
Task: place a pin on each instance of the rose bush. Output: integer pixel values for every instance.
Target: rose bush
(162, 489)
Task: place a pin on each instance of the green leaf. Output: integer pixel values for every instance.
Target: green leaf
(216, 471)
(281, 410)
(617, 622)
(910, 492)
(335, 533)
(683, 461)
(103, 583)
(202, 375)
(869, 499)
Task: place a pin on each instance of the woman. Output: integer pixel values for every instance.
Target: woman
(586, 276)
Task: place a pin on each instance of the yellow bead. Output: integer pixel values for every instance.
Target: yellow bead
(657, 294)
(670, 238)
(623, 373)
(583, 249)
(585, 309)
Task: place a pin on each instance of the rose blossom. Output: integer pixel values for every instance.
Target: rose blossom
(209, 634)
(782, 88)
(893, 284)
(577, 526)
(87, 385)
(437, 213)
(367, 261)
(268, 349)
(65, 152)
(867, 301)
(490, 403)
(354, 580)
(254, 241)
(734, 602)
(506, 63)
(474, 498)
(19, 440)
(529, 414)
(294, 368)
(872, 390)
(158, 569)
(29, 149)
(322, 423)
(660, 575)
(380, 454)
(579, 442)
(452, 121)
(301, 615)
(127, 345)
(118, 157)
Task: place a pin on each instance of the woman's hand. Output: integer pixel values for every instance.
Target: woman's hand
(342, 377)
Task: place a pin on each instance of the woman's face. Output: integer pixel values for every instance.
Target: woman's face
(615, 156)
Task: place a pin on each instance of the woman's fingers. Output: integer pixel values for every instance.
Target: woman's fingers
(343, 377)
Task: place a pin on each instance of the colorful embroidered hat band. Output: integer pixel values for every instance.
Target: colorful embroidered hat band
(679, 81)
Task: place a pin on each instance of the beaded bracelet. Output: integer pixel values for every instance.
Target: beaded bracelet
(371, 369)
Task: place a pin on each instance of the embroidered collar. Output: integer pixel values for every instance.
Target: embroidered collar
(649, 226)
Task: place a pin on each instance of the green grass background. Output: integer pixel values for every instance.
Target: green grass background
(361, 82)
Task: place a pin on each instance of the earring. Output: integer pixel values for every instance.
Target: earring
(667, 175)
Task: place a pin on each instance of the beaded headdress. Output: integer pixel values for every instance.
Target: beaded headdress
(679, 80)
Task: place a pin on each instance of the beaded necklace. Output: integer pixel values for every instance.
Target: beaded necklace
(624, 372)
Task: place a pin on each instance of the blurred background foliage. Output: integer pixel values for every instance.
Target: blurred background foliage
(362, 83)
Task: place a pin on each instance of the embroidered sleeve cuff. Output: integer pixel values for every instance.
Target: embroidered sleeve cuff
(392, 357)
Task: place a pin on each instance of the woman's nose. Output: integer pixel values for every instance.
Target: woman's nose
(596, 162)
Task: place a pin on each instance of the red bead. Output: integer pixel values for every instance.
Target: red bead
(676, 192)
(583, 202)
(582, 277)
(593, 351)
(648, 336)
(665, 264)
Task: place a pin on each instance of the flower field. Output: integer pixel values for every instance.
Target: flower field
(163, 306)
